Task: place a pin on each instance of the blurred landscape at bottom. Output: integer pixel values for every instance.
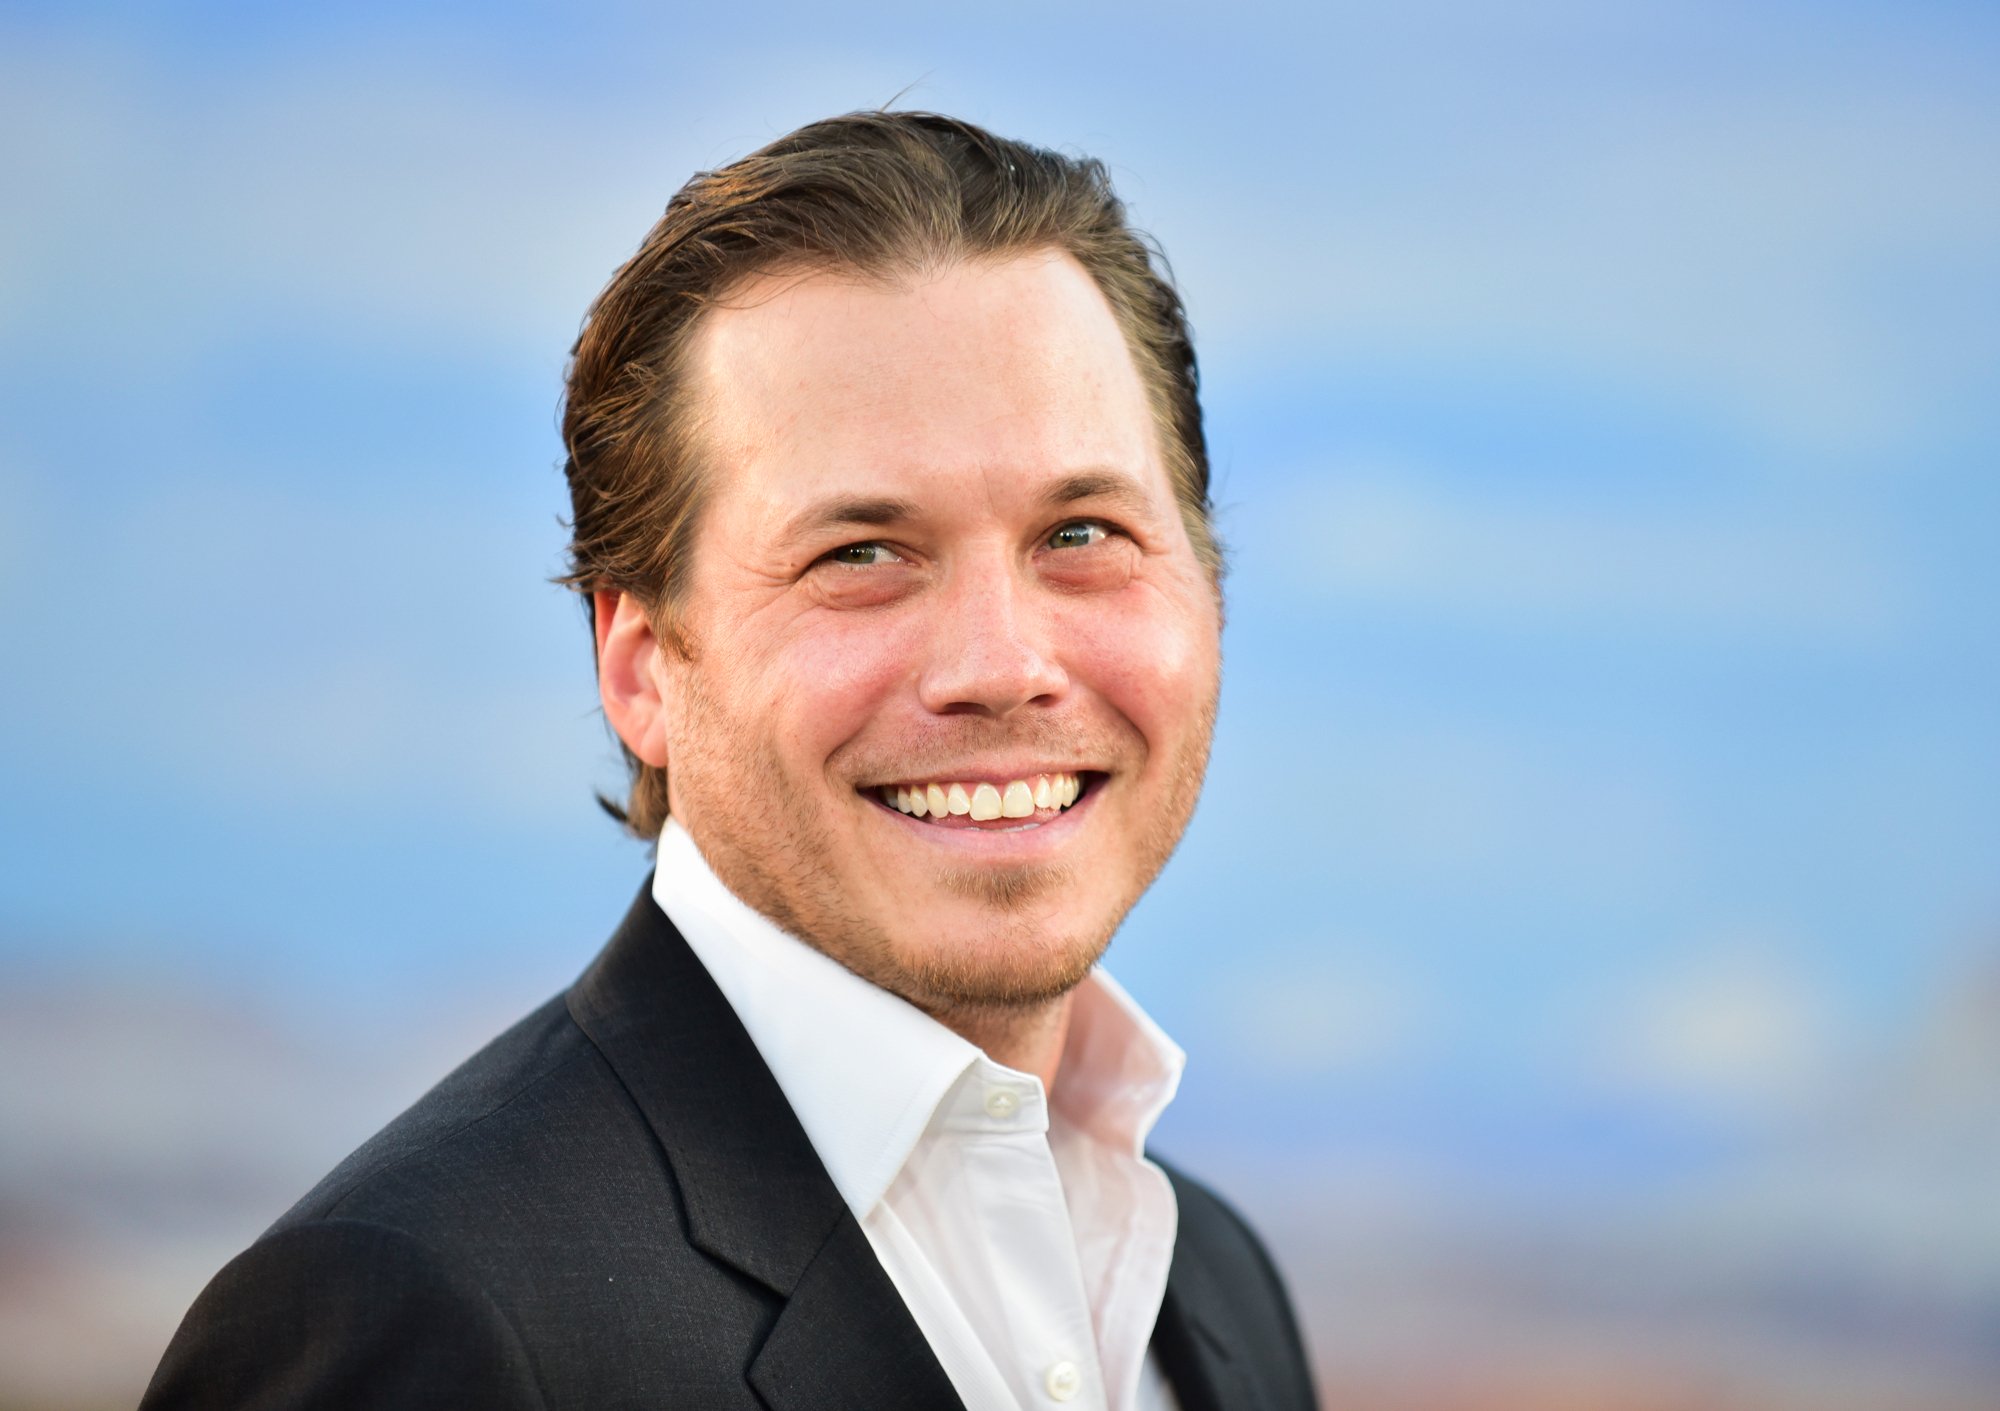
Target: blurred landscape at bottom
(1853, 1265)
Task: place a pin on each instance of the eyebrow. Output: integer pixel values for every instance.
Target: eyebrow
(1115, 486)
(877, 511)
(844, 511)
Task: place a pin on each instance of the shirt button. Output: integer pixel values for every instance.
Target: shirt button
(1001, 1103)
(1063, 1381)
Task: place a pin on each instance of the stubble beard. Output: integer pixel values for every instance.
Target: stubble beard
(1019, 966)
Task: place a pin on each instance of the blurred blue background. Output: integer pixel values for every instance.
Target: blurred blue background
(1589, 943)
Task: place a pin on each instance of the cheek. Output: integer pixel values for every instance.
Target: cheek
(1152, 656)
(827, 683)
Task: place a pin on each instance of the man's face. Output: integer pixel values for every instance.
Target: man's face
(940, 564)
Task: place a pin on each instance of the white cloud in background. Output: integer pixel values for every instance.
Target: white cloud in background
(1376, 535)
(1804, 251)
(1305, 1013)
(1419, 796)
(357, 190)
(1729, 1029)
(258, 646)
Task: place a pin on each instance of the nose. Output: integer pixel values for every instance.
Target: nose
(991, 648)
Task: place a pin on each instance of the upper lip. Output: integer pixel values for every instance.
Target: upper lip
(980, 774)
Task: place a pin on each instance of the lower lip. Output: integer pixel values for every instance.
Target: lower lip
(1017, 844)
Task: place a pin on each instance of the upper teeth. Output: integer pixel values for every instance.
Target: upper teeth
(1017, 798)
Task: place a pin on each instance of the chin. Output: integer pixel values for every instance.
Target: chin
(1008, 895)
(1010, 962)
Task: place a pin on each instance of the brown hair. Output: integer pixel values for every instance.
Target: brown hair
(879, 193)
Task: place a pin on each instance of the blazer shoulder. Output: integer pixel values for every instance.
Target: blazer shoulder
(340, 1313)
(1224, 1275)
(523, 1217)
(1214, 1228)
(536, 1083)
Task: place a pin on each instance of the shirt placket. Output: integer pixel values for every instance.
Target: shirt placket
(1036, 1287)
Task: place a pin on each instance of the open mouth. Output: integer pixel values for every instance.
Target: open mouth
(997, 805)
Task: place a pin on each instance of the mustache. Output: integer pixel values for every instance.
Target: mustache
(961, 746)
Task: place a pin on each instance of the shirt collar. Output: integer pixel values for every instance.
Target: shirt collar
(1119, 1069)
(864, 1070)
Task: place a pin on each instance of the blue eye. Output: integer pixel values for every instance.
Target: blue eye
(1078, 535)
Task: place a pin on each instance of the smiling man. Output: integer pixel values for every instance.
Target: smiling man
(890, 503)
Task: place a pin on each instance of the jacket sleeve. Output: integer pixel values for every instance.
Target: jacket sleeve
(343, 1314)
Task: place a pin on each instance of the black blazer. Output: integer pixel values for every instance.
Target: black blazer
(612, 1205)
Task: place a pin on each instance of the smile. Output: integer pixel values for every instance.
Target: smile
(968, 803)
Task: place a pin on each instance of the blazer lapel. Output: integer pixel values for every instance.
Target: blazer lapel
(847, 1343)
(756, 1194)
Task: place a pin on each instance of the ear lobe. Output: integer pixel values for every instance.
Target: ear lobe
(628, 676)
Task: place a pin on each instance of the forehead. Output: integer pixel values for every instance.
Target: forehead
(1009, 373)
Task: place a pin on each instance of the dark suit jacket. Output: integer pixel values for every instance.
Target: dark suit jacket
(612, 1205)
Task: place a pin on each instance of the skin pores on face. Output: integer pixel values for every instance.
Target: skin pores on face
(940, 551)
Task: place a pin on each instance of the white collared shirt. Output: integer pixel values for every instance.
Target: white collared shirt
(1028, 1235)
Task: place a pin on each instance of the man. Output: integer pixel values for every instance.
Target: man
(890, 502)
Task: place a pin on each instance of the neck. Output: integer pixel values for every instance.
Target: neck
(1029, 1039)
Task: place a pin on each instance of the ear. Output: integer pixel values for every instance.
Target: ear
(628, 675)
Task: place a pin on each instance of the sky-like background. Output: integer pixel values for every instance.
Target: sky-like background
(1589, 942)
